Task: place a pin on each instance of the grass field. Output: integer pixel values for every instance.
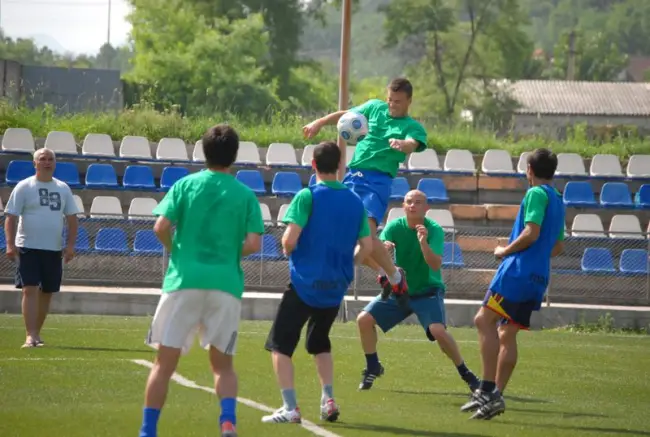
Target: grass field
(84, 383)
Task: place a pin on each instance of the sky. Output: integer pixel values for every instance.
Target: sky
(78, 26)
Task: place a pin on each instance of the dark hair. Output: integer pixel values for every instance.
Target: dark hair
(327, 157)
(401, 84)
(220, 146)
(543, 163)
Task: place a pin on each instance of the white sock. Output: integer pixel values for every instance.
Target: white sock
(396, 278)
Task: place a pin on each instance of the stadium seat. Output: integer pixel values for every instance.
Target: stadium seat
(253, 180)
(395, 213)
(171, 149)
(101, 176)
(197, 154)
(638, 166)
(61, 143)
(138, 177)
(497, 162)
(111, 240)
(270, 250)
(18, 139)
(170, 175)
(266, 213)
(80, 205)
(248, 154)
(597, 259)
(570, 164)
(312, 180)
(434, 189)
(146, 243)
(82, 243)
(606, 166)
(579, 194)
(398, 189)
(625, 226)
(634, 261)
(522, 165)
(425, 161)
(642, 197)
(19, 170)
(106, 207)
(281, 212)
(286, 183)
(587, 226)
(141, 208)
(307, 155)
(67, 172)
(281, 155)
(616, 195)
(443, 217)
(460, 161)
(98, 145)
(452, 255)
(135, 147)
(3, 238)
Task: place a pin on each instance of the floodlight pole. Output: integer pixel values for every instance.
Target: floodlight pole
(344, 73)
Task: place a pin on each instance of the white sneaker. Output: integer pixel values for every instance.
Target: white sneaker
(329, 411)
(284, 416)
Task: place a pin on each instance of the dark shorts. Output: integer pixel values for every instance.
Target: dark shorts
(518, 313)
(292, 315)
(39, 268)
(373, 188)
(429, 308)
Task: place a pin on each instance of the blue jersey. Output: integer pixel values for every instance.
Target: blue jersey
(524, 276)
(322, 263)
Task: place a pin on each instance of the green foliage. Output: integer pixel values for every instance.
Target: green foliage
(604, 325)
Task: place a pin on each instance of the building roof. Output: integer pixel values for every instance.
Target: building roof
(581, 98)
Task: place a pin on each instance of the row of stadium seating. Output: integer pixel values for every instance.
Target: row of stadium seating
(495, 162)
(579, 194)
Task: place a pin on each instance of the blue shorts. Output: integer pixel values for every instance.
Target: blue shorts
(373, 188)
(39, 268)
(517, 313)
(429, 309)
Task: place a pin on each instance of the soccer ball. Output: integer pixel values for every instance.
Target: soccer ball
(352, 127)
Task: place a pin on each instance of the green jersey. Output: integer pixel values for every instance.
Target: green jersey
(374, 151)
(213, 212)
(535, 203)
(409, 256)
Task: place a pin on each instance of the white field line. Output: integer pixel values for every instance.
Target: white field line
(309, 426)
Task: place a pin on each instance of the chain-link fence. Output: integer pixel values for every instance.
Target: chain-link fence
(118, 252)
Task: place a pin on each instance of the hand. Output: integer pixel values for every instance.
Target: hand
(499, 252)
(68, 254)
(389, 245)
(11, 252)
(423, 233)
(397, 144)
(312, 129)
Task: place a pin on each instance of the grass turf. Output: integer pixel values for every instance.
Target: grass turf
(83, 383)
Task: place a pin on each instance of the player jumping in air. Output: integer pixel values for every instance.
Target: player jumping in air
(519, 284)
(418, 242)
(213, 213)
(327, 234)
(392, 135)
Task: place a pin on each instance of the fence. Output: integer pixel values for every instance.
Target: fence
(118, 252)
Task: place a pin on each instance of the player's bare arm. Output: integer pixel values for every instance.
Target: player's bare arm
(433, 261)
(407, 146)
(312, 129)
(252, 244)
(10, 232)
(73, 227)
(290, 238)
(528, 236)
(363, 250)
(558, 248)
(163, 231)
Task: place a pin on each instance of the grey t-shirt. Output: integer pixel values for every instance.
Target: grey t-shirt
(41, 207)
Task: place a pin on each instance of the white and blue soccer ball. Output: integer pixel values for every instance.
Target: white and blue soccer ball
(352, 127)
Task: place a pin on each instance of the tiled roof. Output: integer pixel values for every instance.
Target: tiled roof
(581, 98)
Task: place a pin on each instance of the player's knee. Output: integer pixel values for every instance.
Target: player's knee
(482, 319)
(437, 330)
(365, 320)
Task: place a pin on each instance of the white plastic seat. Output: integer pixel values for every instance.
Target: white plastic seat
(570, 164)
(2, 208)
(460, 160)
(248, 153)
(61, 143)
(98, 144)
(307, 155)
(587, 225)
(266, 212)
(141, 208)
(107, 207)
(197, 153)
(171, 149)
(443, 217)
(625, 226)
(522, 165)
(80, 205)
(281, 154)
(605, 165)
(135, 147)
(18, 139)
(395, 213)
(427, 160)
(638, 166)
(497, 162)
(283, 210)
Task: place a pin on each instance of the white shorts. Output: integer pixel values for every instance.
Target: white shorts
(182, 314)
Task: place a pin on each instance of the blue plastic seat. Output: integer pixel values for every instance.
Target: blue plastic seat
(111, 240)
(312, 180)
(597, 260)
(19, 170)
(642, 198)
(434, 189)
(452, 255)
(138, 177)
(616, 195)
(270, 250)
(253, 180)
(82, 244)
(170, 175)
(634, 261)
(101, 176)
(3, 238)
(146, 243)
(67, 172)
(286, 183)
(579, 194)
(399, 188)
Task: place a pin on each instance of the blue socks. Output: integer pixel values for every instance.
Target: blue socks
(289, 399)
(228, 406)
(149, 422)
(372, 362)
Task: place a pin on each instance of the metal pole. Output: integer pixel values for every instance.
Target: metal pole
(344, 73)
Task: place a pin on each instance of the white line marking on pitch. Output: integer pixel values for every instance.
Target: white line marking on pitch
(309, 426)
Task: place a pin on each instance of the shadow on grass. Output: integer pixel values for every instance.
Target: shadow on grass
(594, 429)
(564, 414)
(398, 431)
(99, 349)
(466, 395)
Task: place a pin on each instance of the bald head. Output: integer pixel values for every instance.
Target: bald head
(415, 204)
(45, 153)
(44, 162)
